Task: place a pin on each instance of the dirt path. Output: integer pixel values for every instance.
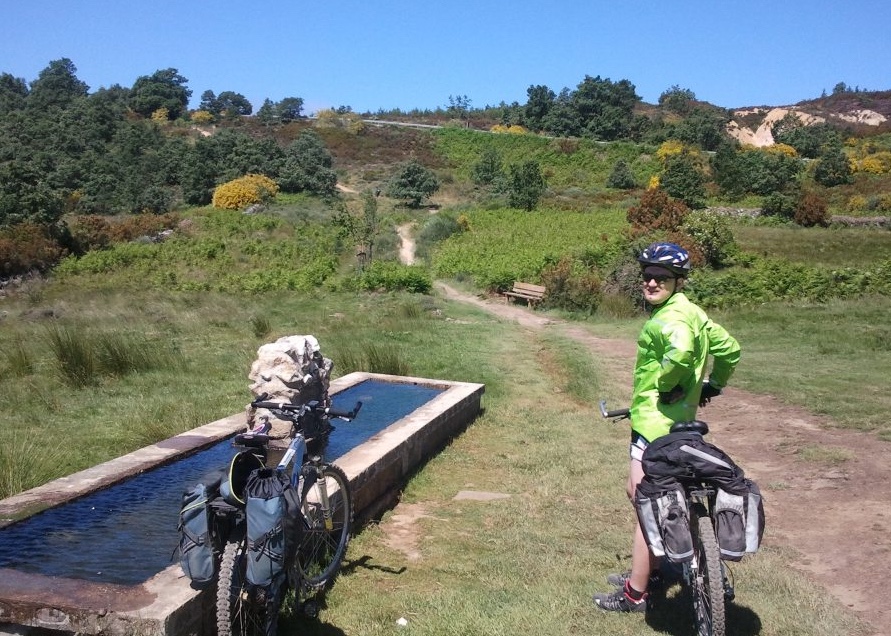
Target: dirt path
(836, 515)
(407, 248)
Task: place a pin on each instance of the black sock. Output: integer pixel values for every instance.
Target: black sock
(633, 594)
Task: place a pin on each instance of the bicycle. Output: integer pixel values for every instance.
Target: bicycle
(318, 542)
(704, 574)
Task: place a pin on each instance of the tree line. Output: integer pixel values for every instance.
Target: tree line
(65, 150)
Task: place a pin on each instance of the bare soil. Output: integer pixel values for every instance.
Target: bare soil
(827, 490)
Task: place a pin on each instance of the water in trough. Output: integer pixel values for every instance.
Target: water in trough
(127, 533)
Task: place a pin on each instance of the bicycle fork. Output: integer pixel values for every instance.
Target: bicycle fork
(312, 474)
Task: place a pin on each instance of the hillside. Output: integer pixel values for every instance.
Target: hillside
(861, 113)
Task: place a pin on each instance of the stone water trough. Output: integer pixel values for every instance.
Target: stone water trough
(165, 603)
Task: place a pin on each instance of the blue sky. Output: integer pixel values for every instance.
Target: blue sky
(384, 54)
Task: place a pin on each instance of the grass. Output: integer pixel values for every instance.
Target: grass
(832, 358)
(847, 247)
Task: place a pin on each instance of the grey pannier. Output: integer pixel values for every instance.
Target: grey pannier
(662, 513)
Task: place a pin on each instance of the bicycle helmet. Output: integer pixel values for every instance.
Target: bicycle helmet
(672, 257)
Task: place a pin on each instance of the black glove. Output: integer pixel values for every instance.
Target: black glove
(708, 392)
(672, 396)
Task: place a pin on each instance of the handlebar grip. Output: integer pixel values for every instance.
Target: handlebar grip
(616, 413)
(346, 415)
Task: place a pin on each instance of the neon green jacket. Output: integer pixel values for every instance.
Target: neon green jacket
(673, 349)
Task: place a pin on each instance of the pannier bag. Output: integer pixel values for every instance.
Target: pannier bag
(196, 551)
(270, 510)
(662, 513)
(739, 521)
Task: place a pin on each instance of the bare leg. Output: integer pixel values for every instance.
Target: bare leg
(642, 561)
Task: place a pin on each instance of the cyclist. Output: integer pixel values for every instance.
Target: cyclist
(672, 355)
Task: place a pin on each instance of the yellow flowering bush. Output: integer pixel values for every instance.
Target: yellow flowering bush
(878, 163)
(670, 148)
(782, 149)
(244, 191)
(161, 115)
(856, 203)
(201, 117)
(513, 129)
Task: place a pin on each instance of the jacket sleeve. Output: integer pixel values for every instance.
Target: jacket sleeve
(725, 352)
(679, 361)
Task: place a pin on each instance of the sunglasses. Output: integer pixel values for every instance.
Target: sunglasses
(659, 278)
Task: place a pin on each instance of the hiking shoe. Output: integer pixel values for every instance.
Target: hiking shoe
(618, 601)
(619, 579)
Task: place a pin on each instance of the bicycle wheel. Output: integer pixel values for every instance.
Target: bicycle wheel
(323, 544)
(707, 584)
(244, 609)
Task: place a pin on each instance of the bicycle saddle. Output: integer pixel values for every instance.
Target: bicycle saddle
(693, 426)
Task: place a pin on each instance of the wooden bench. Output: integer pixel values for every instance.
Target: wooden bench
(532, 294)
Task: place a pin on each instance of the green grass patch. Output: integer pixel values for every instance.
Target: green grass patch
(824, 247)
(501, 246)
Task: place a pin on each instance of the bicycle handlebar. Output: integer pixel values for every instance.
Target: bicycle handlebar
(313, 406)
(618, 413)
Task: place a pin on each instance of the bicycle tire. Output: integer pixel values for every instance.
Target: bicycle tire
(321, 549)
(244, 609)
(708, 583)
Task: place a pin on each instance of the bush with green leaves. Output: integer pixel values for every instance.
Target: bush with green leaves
(412, 183)
(767, 280)
(712, 235)
(571, 286)
(391, 276)
(621, 178)
(526, 185)
(489, 169)
(307, 167)
(779, 205)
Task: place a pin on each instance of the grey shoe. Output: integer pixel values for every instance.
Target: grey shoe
(619, 579)
(618, 601)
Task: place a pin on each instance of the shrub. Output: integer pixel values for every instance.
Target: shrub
(89, 232)
(712, 236)
(621, 177)
(526, 184)
(202, 117)
(656, 211)
(878, 163)
(811, 211)
(27, 247)
(139, 225)
(571, 287)
(244, 191)
(389, 276)
(412, 183)
(779, 205)
(857, 203)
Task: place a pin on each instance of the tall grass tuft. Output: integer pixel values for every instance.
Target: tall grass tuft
(122, 353)
(18, 360)
(26, 463)
(371, 357)
(385, 359)
(260, 325)
(74, 354)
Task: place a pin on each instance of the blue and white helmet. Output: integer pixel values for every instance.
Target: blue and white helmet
(668, 255)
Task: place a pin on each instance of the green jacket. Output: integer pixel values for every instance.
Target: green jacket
(673, 349)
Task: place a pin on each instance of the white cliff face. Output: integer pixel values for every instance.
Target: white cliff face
(762, 136)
